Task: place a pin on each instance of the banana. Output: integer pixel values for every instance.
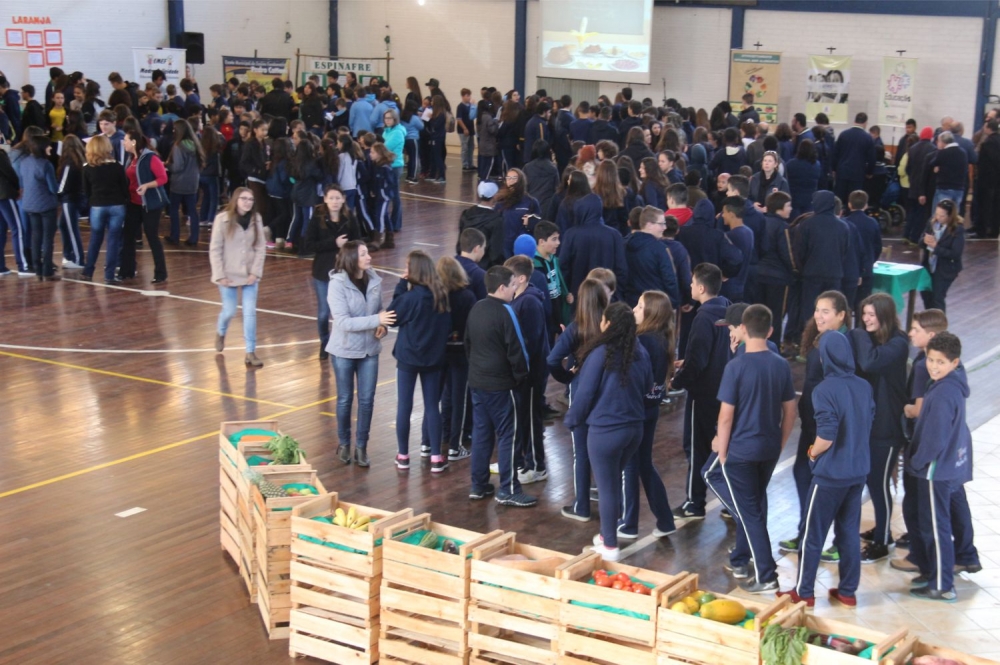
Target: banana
(352, 517)
(362, 523)
(340, 518)
(363, 527)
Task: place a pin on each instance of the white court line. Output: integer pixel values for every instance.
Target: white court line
(426, 244)
(56, 349)
(434, 198)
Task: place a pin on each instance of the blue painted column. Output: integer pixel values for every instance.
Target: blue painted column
(986, 62)
(175, 22)
(520, 44)
(334, 23)
(736, 28)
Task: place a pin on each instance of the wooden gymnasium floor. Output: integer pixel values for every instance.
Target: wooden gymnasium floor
(111, 399)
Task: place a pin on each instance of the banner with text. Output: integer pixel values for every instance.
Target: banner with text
(365, 70)
(171, 61)
(757, 73)
(262, 70)
(896, 91)
(829, 79)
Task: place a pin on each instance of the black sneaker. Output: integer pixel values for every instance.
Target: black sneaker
(458, 454)
(738, 572)
(548, 413)
(439, 465)
(868, 535)
(344, 453)
(518, 500)
(753, 586)
(569, 513)
(687, 511)
(968, 567)
(873, 552)
(927, 593)
(920, 581)
(425, 450)
(481, 493)
(903, 542)
(725, 514)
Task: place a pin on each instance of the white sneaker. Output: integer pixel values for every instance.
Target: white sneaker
(495, 468)
(5, 272)
(529, 476)
(606, 553)
(25, 273)
(71, 265)
(661, 534)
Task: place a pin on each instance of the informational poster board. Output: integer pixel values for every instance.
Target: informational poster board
(757, 73)
(896, 86)
(827, 86)
(171, 61)
(14, 65)
(365, 70)
(262, 70)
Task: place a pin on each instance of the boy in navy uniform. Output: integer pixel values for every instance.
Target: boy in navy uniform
(871, 240)
(756, 416)
(471, 249)
(700, 373)
(498, 364)
(528, 305)
(940, 458)
(734, 288)
(844, 407)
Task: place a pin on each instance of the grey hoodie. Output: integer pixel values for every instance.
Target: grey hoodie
(355, 316)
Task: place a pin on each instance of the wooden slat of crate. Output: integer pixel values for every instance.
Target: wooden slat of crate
(416, 649)
(797, 616)
(272, 527)
(334, 591)
(274, 611)
(695, 639)
(913, 647)
(331, 637)
(586, 649)
(229, 537)
(505, 637)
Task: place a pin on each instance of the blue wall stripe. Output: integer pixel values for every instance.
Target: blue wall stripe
(520, 44)
(175, 21)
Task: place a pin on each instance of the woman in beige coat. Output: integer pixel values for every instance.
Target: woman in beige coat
(237, 255)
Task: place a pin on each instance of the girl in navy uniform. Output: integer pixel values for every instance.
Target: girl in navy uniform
(615, 376)
(654, 317)
(385, 185)
(943, 244)
(591, 300)
(306, 176)
(520, 210)
(881, 351)
(654, 185)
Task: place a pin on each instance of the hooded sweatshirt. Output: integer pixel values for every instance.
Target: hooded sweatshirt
(529, 307)
(360, 115)
(590, 244)
(775, 265)
(650, 269)
(707, 351)
(423, 331)
(822, 244)
(884, 367)
(602, 399)
(844, 409)
(707, 244)
(683, 215)
(942, 443)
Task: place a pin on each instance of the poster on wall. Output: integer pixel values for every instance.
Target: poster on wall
(829, 79)
(896, 91)
(365, 70)
(170, 60)
(262, 70)
(757, 73)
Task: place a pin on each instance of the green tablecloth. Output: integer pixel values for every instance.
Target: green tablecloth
(898, 279)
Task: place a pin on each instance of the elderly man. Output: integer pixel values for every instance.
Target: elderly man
(949, 167)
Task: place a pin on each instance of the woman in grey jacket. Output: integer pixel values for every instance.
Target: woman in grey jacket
(185, 163)
(359, 324)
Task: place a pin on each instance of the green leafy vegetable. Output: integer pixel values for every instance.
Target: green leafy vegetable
(781, 646)
(285, 450)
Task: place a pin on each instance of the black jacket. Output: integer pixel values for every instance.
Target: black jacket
(707, 244)
(542, 181)
(602, 130)
(884, 367)
(948, 252)
(311, 111)
(490, 223)
(34, 115)
(10, 185)
(277, 103)
(916, 168)
(952, 166)
(707, 351)
(822, 241)
(627, 123)
(496, 358)
(853, 154)
(637, 152)
(775, 265)
(253, 160)
(590, 244)
(321, 239)
(650, 268)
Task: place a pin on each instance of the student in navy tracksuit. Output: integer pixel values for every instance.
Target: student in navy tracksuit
(590, 244)
(706, 244)
(881, 351)
(820, 250)
(857, 255)
(528, 305)
(741, 237)
(420, 302)
(472, 248)
(649, 264)
(775, 270)
(520, 210)
(853, 157)
(498, 364)
(943, 243)
(386, 188)
(844, 412)
(654, 317)
(700, 374)
(753, 219)
(615, 377)
(592, 299)
(679, 258)
(455, 382)
(940, 457)
(756, 416)
(871, 241)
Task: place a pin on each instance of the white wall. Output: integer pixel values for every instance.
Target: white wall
(948, 50)
(97, 38)
(238, 27)
(995, 89)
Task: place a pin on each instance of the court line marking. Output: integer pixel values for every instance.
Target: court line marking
(55, 349)
(142, 379)
(441, 199)
(169, 446)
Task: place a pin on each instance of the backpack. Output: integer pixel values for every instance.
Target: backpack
(449, 123)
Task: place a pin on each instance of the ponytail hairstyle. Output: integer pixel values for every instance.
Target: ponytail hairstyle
(658, 319)
(420, 271)
(619, 338)
(592, 298)
(954, 221)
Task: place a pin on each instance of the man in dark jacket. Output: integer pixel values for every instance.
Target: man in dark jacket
(487, 221)
(542, 176)
(277, 103)
(33, 114)
(10, 104)
(602, 129)
(949, 168)
(749, 112)
(821, 250)
(537, 127)
(775, 269)
(853, 158)
(634, 119)
(917, 171)
(871, 241)
(590, 244)
(561, 121)
(988, 183)
(649, 264)
(498, 364)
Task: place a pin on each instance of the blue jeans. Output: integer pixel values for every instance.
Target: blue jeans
(190, 202)
(112, 219)
(43, 232)
(955, 195)
(344, 370)
(70, 230)
(228, 294)
(397, 203)
(322, 312)
(430, 388)
(209, 186)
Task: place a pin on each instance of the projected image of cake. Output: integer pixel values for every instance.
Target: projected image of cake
(583, 38)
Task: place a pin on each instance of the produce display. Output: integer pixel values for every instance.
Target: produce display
(432, 541)
(786, 646)
(269, 490)
(620, 581)
(285, 450)
(351, 519)
(704, 604)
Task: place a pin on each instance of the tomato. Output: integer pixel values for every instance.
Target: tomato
(622, 577)
(641, 589)
(617, 584)
(603, 581)
(600, 573)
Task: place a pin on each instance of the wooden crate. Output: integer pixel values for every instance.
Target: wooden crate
(424, 595)
(227, 429)
(271, 525)
(228, 531)
(684, 638)
(335, 593)
(247, 556)
(912, 647)
(797, 616)
(513, 613)
(591, 635)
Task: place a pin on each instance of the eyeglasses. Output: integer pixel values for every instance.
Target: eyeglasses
(246, 198)
(510, 177)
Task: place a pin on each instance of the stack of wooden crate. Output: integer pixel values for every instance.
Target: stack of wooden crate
(424, 596)
(336, 573)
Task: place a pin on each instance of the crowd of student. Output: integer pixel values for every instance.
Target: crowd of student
(615, 220)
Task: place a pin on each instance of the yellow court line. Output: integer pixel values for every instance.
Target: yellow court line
(119, 375)
(169, 446)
